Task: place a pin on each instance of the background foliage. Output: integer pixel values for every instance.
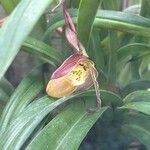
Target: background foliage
(117, 39)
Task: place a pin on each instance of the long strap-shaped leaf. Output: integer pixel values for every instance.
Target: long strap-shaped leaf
(6, 86)
(86, 16)
(17, 27)
(42, 50)
(138, 101)
(23, 126)
(66, 130)
(23, 95)
(116, 20)
(137, 125)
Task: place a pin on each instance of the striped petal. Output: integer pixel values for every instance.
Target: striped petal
(68, 65)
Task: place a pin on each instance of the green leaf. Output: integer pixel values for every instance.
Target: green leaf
(1, 109)
(8, 5)
(137, 125)
(97, 56)
(6, 86)
(139, 119)
(134, 86)
(56, 21)
(138, 101)
(22, 127)
(145, 8)
(135, 69)
(138, 132)
(67, 129)
(86, 16)
(75, 4)
(14, 31)
(112, 54)
(42, 50)
(120, 21)
(16, 1)
(125, 74)
(23, 95)
(26, 122)
(108, 98)
(112, 5)
(133, 8)
(6, 89)
(134, 50)
(144, 69)
(4, 97)
(123, 22)
(143, 107)
(137, 96)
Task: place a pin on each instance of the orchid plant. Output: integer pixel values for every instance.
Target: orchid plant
(81, 44)
(77, 73)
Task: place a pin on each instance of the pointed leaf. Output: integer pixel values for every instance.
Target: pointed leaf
(23, 95)
(143, 107)
(14, 31)
(134, 49)
(67, 129)
(22, 127)
(137, 96)
(86, 16)
(138, 101)
(42, 50)
(135, 86)
(120, 21)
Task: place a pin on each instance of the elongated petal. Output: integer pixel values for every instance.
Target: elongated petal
(70, 30)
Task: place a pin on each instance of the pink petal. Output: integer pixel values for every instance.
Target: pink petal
(67, 65)
(70, 30)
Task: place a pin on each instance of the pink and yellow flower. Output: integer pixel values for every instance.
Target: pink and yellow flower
(75, 74)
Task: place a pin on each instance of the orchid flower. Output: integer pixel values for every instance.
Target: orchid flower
(77, 72)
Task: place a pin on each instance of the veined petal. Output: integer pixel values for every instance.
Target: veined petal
(77, 79)
(68, 65)
(89, 81)
(60, 87)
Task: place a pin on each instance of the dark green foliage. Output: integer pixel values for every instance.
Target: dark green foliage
(117, 41)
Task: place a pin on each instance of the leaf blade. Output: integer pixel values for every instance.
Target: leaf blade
(42, 50)
(22, 127)
(86, 16)
(25, 92)
(14, 31)
(108, 19)
(74, 122)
